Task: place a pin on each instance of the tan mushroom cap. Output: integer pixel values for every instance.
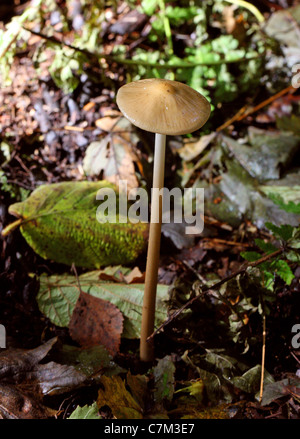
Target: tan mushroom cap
(163, 106)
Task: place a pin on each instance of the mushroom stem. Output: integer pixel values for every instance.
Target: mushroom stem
(148, 313)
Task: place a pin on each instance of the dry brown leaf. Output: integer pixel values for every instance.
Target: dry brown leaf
(135, 276)
(114, 157)
(96, 322)
(15, 404)
(107, 123)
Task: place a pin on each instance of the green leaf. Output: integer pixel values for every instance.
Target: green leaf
(58, 295)
(178, 15)
(290, 207)
(266, 247)
(289, 123)
(149, 6)
(284, 231)
(195, 389)
(60, 222)
(293, 256)
(86, 412)
(251, 256)
(283, 270)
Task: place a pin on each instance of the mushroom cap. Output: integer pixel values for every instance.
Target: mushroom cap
(163, 106)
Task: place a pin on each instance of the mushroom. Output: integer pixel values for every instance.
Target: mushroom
(162, 107)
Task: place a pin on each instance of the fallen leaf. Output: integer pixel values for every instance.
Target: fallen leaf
(278, 389)
(138, 385)
(15, 404)
(250, 381)
(115, 395)
(93, 361)
(135, 276)
(15, 363)
(21, 367)
(122, 274)
(222, 411)
(95, 321)
(176, 233)
(107, 123)
(164, 379)
(112, 155)
(114, 273)
(58, 295)
(191, 150)
(268, 155)
(54, 379)
(195, 389)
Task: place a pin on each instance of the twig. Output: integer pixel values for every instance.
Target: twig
(263, 357)
(232, 119)
(243, 113)
(297, 359)
(73, 268)
(216, 286)
(289, 89)
(120, 60)
(58, 42)
(225, 242)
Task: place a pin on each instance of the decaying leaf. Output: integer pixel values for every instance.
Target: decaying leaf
(58, 295)
(222, 411)
(15, 404)
(22, 367)
(135, 276)
(15, 363)
(192, 149)
(275, 390)
(90, 361)
(268, 155)
(25, 380)
(115, 395)
(54, 379)
(59, 222)
(95, 321)
(164, 379)
(138, 385)
(122, 274)
(113, 155)
(238, 198)
(250, 381)
(195, 389)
